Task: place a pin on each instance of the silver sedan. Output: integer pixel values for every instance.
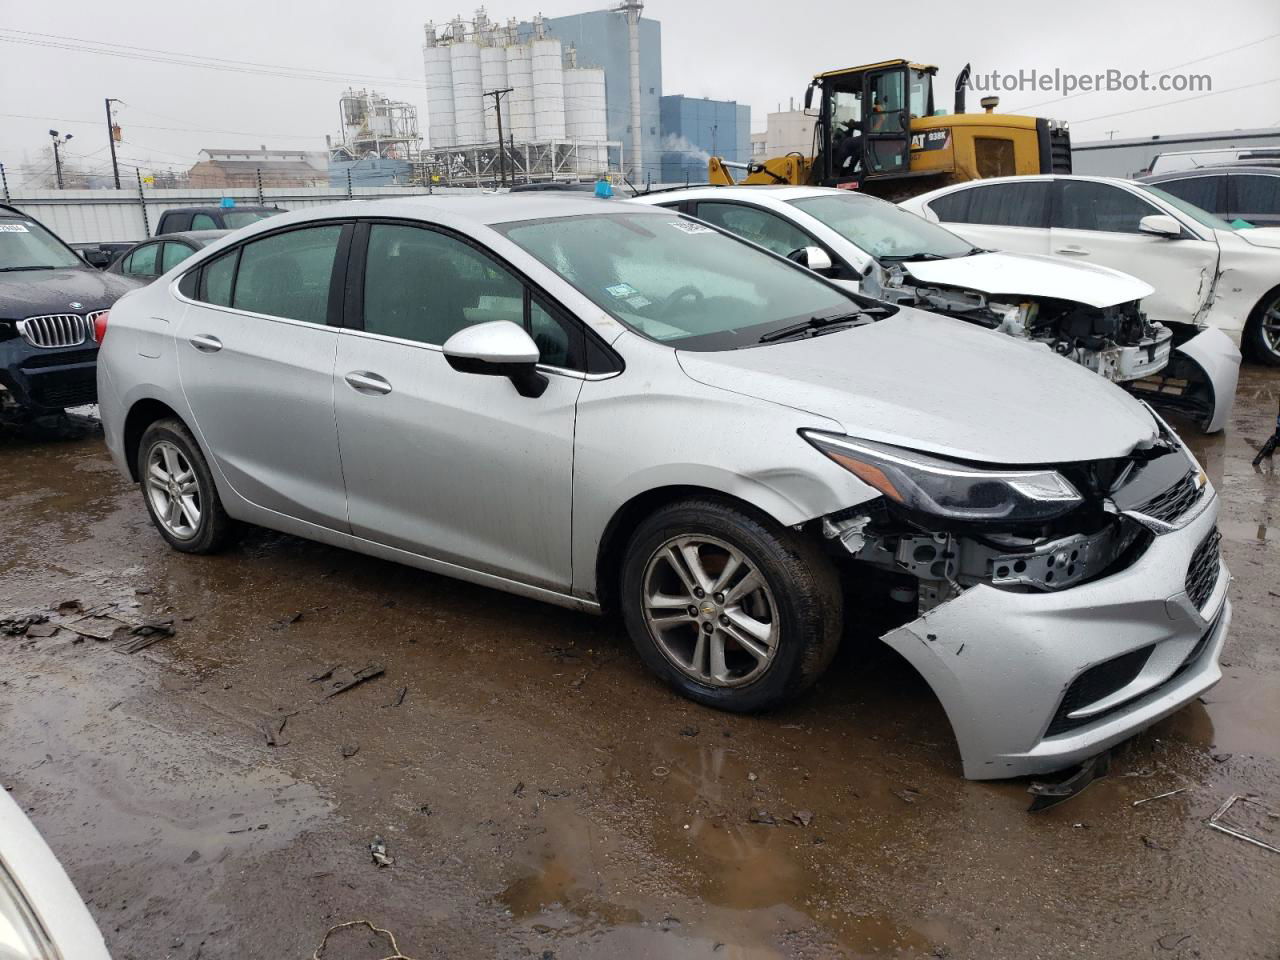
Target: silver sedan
(618, 408)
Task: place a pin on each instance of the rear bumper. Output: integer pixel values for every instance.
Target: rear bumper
(1003, 663)
(44, 381)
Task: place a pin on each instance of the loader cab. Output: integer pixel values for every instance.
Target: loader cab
(864, 120)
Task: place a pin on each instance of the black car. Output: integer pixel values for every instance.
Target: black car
(147, 260)
(102, 253)
(49, 300)
(181, 219)
(1232, 191)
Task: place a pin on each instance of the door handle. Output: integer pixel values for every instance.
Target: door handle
(205, 343)
(366, 382)
(1073, 251)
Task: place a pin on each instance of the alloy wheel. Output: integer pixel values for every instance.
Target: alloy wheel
(1270, 321)
(710, 611)
(173, 490)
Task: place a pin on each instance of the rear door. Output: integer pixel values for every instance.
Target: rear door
(1012, 215)
(458, 467)
(255, 350)
(1098, 222)
(1254, 197)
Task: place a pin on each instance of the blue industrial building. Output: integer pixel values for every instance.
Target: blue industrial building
(694, 129)
(601, 39)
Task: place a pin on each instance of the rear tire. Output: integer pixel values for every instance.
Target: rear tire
(178, 489)
(1262, 332)
(727, 607)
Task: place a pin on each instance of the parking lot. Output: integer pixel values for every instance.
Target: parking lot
(541, 794)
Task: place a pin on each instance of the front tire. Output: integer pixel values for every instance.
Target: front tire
(178, 489)
(727, 607)
(1262, 332)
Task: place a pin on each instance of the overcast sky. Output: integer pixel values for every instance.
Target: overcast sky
(742, 51)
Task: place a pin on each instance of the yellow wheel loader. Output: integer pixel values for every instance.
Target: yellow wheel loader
(877, 130)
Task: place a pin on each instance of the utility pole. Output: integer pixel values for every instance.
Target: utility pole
(111, 139)
(497, 105)
(58, 141)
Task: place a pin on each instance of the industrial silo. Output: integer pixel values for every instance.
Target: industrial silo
(586, 119)
(468, 94)
(548, 89)
(435, 58)
(493, 74)
(519, 102)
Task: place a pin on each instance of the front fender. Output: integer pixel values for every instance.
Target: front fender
(1219, 361)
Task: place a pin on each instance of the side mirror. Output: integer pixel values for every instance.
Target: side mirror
(1161, 225)
(498, 348)
(808, 96)
(815, 258)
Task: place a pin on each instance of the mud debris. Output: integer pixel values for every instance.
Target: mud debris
(378, 851)
(340, 678)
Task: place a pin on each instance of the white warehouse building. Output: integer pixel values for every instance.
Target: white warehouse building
(553, 117)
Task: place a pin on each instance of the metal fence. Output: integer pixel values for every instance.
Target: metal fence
(88, 216)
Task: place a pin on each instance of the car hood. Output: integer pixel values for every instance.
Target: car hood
(1024, 275)
(30, 293)
(1260, 236)
(939, 385)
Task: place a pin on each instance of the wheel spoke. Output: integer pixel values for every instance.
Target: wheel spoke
(676, 562)
(756, 628)
(743, 588)
(699, 662)
(189, 510)
(689, 551)
(173, 512)
(731, 567)
(170, 460)
(667, 601)
(157, 473)
(719, 670)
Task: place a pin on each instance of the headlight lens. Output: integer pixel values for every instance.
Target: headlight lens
(955, 491)
(21, 935)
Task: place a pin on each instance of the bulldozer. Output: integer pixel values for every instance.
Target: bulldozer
(877, 131)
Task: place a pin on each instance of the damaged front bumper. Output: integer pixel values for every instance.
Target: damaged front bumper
(1034, 682)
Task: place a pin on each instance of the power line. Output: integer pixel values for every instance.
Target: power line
(1187, 63)
(143, 126)
(1170, 103)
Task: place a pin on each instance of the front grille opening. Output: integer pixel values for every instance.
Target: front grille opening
(56, 330)
(1202, 574)
(1095, 683)
(1169, 505)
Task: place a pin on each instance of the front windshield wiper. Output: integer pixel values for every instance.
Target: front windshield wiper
(908, 257)
(41, 267)
(812, 325)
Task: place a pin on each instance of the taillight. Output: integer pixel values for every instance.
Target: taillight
(100, 325)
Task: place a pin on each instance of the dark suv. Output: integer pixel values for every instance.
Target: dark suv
(49, 300)
(181, 219)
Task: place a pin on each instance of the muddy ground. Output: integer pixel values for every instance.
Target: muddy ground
(542, 796)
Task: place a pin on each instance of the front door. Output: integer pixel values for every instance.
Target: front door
(1096, 222)
(458, 467)
(886, 123)
(255, 358)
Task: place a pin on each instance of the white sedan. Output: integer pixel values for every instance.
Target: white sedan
(1203, 269)
(1091, 314)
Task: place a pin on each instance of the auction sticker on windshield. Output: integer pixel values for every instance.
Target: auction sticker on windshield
(13, 228)
(688, 227)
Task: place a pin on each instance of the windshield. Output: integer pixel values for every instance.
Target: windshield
(678, 281)
(235, 219)
(883, 230)
(25, 245)
(1202, 217)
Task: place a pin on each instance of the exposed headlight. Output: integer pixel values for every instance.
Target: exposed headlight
(951, 490)
(21, 935)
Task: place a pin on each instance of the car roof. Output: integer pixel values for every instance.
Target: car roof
(201, 238)
(780, 192)
(1214, 170)
(485, 210)
(218, 208)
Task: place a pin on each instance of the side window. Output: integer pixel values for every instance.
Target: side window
(1202, 192)
(560, 343)
(142, 262)
(751, 223)
(953, 207)
(424, 285)
(202, 221)
(174, 254)
(1255, 195)
(287, 275)
(216, 278)
(1086, 205)
(1004, 204)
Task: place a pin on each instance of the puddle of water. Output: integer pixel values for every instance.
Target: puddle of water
(1248, 532)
